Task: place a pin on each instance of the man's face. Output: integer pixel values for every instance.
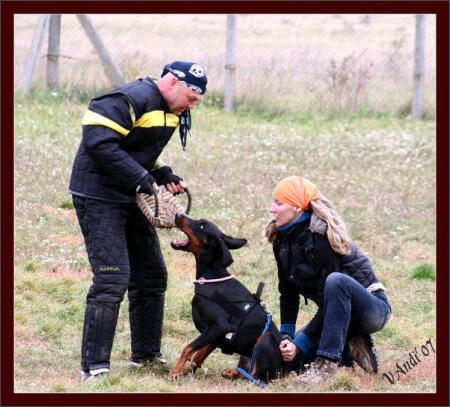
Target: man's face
(182, 98)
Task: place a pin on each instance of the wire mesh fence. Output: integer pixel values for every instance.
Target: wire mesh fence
(290, 62)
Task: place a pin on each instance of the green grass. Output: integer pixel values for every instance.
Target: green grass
(379, 172)
(424, 271)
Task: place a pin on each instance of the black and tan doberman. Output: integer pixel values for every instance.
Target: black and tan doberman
(227, 315)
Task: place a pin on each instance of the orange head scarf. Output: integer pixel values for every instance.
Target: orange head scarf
(296, 191)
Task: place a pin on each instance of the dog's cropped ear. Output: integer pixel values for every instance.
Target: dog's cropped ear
(234, 243)
(227, 257)
(230, 243)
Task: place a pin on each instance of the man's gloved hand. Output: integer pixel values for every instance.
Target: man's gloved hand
(165, 175)
(145, 185)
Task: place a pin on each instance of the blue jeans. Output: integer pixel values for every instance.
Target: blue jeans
(349, 310)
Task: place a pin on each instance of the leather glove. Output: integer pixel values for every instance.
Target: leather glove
(165, 175)
(145, 185)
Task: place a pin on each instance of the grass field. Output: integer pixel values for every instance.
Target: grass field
(379, 173)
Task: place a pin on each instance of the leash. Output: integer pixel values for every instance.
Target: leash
(247, 374)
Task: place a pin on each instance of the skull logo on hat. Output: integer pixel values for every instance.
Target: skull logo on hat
(197, 71)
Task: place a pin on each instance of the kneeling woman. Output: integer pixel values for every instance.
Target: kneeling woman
(317, 260)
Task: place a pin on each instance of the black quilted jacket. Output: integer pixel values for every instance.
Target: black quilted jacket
(304, 259)
(124, 133)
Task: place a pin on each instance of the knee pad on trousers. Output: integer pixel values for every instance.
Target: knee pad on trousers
(109, 283)
(146, 323)
(100, 321)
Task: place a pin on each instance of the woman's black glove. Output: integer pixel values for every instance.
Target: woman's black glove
(164, 175)
(145, 185)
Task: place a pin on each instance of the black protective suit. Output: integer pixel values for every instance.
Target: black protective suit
(124, 133)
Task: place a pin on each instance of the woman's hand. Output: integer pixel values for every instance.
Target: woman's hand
(288, 350)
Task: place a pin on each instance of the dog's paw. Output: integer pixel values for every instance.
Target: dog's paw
(206, 374)
(231, 374)
(192, 368)
(173, 375)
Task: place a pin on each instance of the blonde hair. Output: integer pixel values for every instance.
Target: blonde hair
(337, 232)
(336, 229)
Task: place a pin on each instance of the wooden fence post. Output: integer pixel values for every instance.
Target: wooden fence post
(36, 45)
(54, 38)
(418, 76)
(230, 63)
(111, 69)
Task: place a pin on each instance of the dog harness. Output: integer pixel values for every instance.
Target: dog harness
(227, 302)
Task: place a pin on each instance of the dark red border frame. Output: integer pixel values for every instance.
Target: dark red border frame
(9, 8)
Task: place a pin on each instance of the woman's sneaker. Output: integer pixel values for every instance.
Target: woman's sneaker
(364, 353)
(320, 370)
